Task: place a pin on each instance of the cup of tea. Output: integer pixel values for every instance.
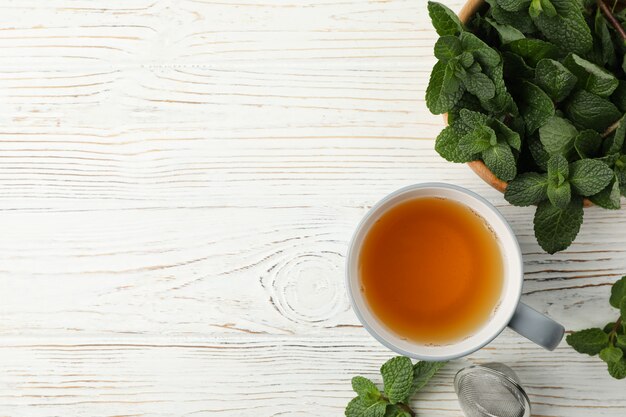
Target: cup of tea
(435, 272)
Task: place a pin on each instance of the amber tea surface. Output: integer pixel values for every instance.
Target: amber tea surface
(431, 270)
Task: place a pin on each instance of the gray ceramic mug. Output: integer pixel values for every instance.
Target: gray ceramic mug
(509, 310)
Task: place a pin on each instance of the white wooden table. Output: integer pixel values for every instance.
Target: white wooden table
(178, 183)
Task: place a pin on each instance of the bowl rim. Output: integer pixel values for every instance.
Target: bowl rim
(467, 11)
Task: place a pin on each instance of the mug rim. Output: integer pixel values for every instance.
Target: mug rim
(446, 186)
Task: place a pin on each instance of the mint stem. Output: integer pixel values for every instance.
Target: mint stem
(407, 409)
(616, 326)
(612, 20)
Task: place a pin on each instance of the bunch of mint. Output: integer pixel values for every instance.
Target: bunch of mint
(401, 380)
(536, 89)
(610, 342)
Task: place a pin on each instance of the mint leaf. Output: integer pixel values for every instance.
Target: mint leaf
(590, 76)
(444, 20)
(527, 189)
(513, 5)
(502, 103)
(423, 372)
(611, 354)
(481, 139)
(609, 198)
(620, 341)
(538, 152)
(605, 47)
(500, 160)
(398, 378)
(447, 145)
(480, 85)
(535, 106)
(588, 143)
(566, 28)
(533, 50)
(506, 134)
(618, 369)
(553, 78)
(447, 47)
(516, 67)
(519, 20)
(357, 408)
(444, 89)
(590, 111)
(589, 341)
(619, 96)
(618, 292)
(559, 190)
(557, 135)
(472, 119)
(538, 7)
(556, 228)
(507, 33)
(615, 142)
(589, 176)
(482, 52)
(366, 390)
(622, 307)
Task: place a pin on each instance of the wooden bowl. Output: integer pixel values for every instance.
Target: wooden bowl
(470, 9)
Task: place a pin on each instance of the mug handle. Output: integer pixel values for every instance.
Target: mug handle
(536, 327)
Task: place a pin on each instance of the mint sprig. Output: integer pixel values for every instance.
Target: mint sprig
(536, 89)
(608, 343)
(401, 379)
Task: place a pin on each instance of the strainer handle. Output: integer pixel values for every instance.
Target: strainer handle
(536, 327)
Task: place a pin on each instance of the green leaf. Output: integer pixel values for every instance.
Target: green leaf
(566, 28)
(533, 50)
(618, 292)
(558, 135)
(559, 190)
(480, 85)
(466, 59)
(527, 189)
(357, 408)
(480, 139)
(444, 89)
(619, 96)
(620, 341)
(622, 307)
(502, 103)
(538, 7)
(513, 5)
(605, 42)
(611, 354)
(516, 67)
(423, 372)
(519, 20)
(500, 160)
(535, 106)
(444, 20)
(553, 78)
(590, 111)
(483, 53)
(588, 143)
(555, 228)
(398, 378)
(472, 119)
(507, 33)
(591, 77)
(589, 341)
(365, 389)
(589, 176)
(506, 134)
(618, 369)
(538, 152)
(447, 47)
(609, 198)
(447, 145)
(614, 143)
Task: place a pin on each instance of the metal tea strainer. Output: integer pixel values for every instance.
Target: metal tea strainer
(491, 390)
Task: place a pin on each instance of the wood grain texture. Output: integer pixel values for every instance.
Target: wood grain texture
(179, 181)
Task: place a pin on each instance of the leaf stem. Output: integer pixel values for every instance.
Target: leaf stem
(612, 19)
(616, 325)
(406, 408)
(611, 129)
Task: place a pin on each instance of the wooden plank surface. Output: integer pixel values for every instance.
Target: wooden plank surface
(178, 184)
